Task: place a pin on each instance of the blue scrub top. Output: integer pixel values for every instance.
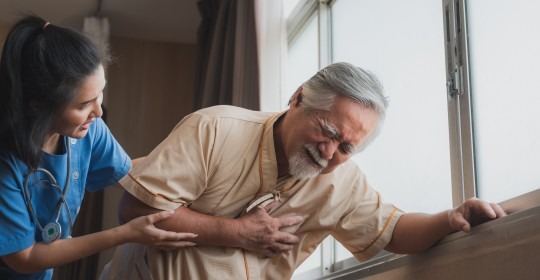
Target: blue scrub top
(96, 160)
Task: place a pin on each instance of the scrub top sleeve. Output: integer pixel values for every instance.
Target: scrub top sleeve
(108, 161)
(17, 227)
(176, 172)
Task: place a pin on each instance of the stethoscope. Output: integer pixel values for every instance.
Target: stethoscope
(52, 231)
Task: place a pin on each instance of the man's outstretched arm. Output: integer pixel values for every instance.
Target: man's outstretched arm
(416, 232)
(255, 231)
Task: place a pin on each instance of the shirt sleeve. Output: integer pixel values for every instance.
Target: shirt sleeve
(108, 161)
(17, 228)
(175, 173)
(367, 228)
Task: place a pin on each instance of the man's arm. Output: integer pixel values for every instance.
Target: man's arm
(255, 231)
(416, 232)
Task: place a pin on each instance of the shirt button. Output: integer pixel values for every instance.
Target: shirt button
(73, 141)
(75, 175)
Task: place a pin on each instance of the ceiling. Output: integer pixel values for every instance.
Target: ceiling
(156, 20)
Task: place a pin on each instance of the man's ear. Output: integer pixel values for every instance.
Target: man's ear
(296, 99)
(299, 98)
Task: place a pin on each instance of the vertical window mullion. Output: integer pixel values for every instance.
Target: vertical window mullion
(325, 36)
(328, 245)
(459, 101)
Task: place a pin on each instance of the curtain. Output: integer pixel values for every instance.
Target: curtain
(98, 29)
(227, 66)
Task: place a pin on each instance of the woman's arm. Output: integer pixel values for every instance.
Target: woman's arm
(41, 256)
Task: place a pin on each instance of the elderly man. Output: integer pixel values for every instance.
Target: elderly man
(262, 190)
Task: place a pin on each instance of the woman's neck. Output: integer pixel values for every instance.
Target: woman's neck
(52, 144)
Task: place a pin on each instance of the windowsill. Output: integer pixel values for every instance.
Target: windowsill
(503, 244)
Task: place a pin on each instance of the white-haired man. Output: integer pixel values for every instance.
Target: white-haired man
(221, 166)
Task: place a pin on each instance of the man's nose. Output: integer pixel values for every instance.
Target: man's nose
(328, 149)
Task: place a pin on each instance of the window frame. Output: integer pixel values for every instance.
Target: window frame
(459, 101)
(461, 133)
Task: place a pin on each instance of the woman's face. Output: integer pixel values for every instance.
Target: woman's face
(84, 108)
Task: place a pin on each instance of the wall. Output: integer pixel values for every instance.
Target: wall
(4, 28)
(149, 89)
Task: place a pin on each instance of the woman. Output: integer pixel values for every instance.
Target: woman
(53, 147)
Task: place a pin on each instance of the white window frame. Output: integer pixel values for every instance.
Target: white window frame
(461, 146)
(459, 101)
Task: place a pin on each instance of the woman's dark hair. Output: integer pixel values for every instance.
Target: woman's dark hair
(41, 67)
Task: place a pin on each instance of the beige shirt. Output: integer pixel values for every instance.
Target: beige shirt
(218, 160)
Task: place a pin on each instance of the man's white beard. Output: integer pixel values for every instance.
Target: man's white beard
(301, 165)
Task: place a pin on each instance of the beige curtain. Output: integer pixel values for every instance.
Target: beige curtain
(227, 64)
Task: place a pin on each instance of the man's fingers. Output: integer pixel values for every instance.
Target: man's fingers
(485, 209)
(498, 210)
(466, 227)
(269, 253)
(461, 224)
(280, 247)
(289, 221)
(269, 206)
(458, 221)
(286, 238)
(490, 210)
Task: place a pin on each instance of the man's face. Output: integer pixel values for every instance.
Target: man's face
(318, 141)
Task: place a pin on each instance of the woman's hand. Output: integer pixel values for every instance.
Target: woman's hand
(142, 230)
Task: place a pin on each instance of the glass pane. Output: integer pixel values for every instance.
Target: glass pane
(288, 7)
(302, 63)
(402, 43)
(302, 59)
(505, 65)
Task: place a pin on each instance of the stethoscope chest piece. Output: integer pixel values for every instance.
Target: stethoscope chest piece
(51, 232)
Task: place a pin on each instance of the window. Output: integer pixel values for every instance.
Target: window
(302, 63)
(302, 58)
(404, 47)
(460, 76)
(504, 62)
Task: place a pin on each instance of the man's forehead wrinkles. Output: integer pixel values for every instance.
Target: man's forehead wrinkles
(330, 127)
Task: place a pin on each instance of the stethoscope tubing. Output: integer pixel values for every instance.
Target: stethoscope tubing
(56, 187)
